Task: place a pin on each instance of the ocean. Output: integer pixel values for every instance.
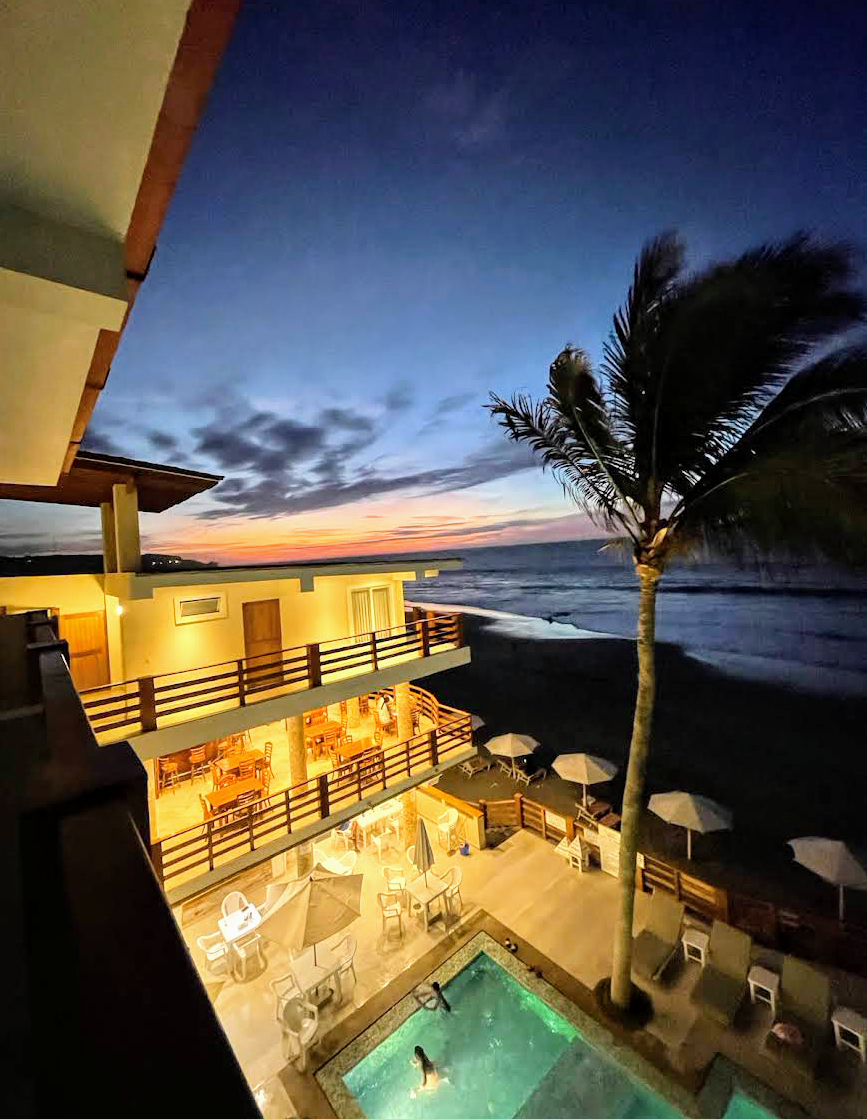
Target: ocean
(803, 626)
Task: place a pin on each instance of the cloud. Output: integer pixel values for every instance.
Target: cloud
(98, 441)
(285, 495)
(471, 118)
(163, 442)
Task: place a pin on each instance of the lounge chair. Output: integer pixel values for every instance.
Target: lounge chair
(723, 980)
(527, 779)
(472, 766)
(659, 940)
(805, 1002)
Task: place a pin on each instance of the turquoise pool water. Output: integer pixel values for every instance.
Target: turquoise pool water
(742, 1108)
(505, 1054)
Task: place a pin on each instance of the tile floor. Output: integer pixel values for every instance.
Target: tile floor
(566, 916)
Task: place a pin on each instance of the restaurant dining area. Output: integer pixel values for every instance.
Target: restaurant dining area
(232, 775)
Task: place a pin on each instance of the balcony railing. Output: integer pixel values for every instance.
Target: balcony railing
(196, 851)
(146, 704)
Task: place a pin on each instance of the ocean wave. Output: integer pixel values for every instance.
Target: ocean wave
(524, 625)
(799, 674)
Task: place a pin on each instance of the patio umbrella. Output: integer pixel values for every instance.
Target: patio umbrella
(690, 811)
(512, 746)
(424, 857)
(320, 907)
(476, 722)
(832, 860)
(584, 769)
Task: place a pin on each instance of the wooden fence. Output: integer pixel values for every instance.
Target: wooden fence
(788, 929)
(138, 706)
(198, 850)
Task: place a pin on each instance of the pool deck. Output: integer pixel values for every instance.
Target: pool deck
(563, 922)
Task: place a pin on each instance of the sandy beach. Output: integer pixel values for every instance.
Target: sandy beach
(788, 762)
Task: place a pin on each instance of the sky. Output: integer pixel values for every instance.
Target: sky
(391, 210)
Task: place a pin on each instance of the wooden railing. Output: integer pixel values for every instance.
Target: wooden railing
(201, 849)
(139, 706)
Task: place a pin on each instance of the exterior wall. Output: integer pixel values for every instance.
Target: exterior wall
(153, 643)
(70, 594)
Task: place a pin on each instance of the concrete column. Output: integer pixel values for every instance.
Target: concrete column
(297, 774)
(403, 703)
(408, 818)
(125, 501)
(353, 714)
(109, 542)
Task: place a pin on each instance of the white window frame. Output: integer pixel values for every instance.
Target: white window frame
(221, 612)
(370, 588)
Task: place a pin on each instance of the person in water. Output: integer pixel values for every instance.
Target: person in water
(431, 998)
(429, 1075)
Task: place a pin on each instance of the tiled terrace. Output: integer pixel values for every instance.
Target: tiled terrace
(550, 909)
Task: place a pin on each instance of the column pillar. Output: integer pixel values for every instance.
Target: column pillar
(109, 541)
(298, 773)
(126, 534)
(353, 713)
(403, 703)
(408, 818)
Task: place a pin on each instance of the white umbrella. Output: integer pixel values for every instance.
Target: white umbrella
(584, 769)
(424, 856)
(512, 746)
(320, 907)
(832, 860)
(690, 811)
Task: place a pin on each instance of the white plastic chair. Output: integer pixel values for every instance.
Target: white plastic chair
(455, 877)
(343, 836)
(245, 949)
(273, 893)
(299, 1021)
(284, 988)
(446, 825)
(345, 952)
(395, 882)
(348, 861)
(382, 841)
(234, 901)
(391, 911)
(216, 953)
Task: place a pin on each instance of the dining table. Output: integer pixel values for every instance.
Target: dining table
(312, 973)
(350, 750)
(221, 799)
(233, 761)
(374, 817)
(320, 736)
(426, 890)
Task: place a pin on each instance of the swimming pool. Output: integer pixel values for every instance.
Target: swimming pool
(504, 1052)
(514, 1047)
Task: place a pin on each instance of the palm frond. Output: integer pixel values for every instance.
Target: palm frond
(575, 466)
(728, 338)
(627, 362)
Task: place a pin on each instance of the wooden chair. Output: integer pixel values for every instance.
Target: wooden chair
(206, 808)
(198, 762)
(266, 765)
(364, 704)
(246, 769)
(225, 781)
(169, 773)
(244, 804)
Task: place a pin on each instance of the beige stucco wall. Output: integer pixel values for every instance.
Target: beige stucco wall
(154, 644)
(70, 594)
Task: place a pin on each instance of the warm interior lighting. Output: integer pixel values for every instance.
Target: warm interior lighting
(118, 609)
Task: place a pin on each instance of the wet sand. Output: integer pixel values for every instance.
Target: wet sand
(787, 762)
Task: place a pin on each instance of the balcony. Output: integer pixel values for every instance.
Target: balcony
(134, 708)
(196, 857)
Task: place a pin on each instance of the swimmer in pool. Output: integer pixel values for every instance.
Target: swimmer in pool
(431, 998)
(430, 1078)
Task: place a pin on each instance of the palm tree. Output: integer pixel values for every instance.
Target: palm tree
(722, 421)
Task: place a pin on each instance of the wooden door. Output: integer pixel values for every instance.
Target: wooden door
(262, 636)
(88, 648)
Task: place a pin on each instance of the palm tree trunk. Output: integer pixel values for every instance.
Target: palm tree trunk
(633, 793)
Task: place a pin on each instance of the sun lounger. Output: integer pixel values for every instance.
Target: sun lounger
(805, 1002)
(659, 940)
(527, 779)
(505, 767)
(723, 980)
(472, 766)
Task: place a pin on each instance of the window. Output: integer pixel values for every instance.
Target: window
(203, 609)
(370, 609)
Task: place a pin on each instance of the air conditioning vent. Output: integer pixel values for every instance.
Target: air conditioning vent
(199, 609)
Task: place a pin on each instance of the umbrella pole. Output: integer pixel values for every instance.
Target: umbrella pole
(842, 907)
(584, 791)
(315, 963)
(689, 843)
